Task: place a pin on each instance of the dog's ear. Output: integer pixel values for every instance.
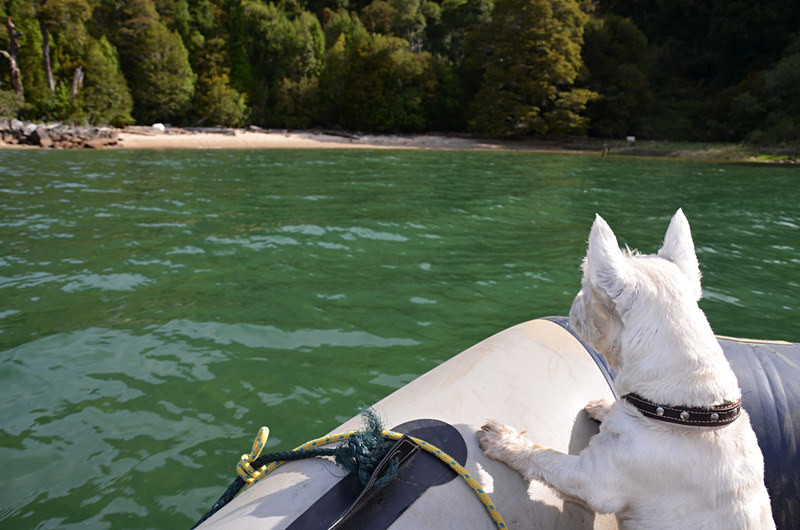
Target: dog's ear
(606, 266)
(678, 248)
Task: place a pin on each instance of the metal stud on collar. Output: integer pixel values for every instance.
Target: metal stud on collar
(660, 411)
(684, 415)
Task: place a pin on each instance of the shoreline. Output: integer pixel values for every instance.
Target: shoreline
(256, 138)
(159, 138)
(199, 138)
(147, 138)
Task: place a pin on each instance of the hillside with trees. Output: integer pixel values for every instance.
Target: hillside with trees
(671, 69)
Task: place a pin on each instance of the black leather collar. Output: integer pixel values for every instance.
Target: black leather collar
(700, 417)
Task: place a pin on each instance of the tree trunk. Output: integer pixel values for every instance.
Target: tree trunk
(11, 55)
(46, 57)
(77, 82)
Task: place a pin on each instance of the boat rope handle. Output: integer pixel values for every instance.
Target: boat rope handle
(261, 438)
(243, 468)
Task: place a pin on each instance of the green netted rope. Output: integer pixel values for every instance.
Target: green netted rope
(363, 451)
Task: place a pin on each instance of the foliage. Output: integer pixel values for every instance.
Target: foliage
(219, 104)
(375, 82)
(780, 102)
(286, 55)
(10, 104)
(216, 101)
(529, 53)
(615, 52)
(705, 60)
(715, 70)
(105, 98)
(155, 63)
(446, 34)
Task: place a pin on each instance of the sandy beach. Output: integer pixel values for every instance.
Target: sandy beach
(176, 138)
(26, 135)
(147, 138)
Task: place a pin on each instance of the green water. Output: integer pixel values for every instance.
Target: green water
(156, 308)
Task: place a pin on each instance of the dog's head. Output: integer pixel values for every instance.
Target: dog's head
(627, 299)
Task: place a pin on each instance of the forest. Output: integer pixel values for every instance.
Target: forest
(717, 70)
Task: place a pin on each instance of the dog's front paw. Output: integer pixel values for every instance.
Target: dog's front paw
(598, 409)
(500, 441)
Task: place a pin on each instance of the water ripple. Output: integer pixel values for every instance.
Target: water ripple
(158, 309)
(106, 282)
(271, 337)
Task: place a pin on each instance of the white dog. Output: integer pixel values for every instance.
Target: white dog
(676, 450)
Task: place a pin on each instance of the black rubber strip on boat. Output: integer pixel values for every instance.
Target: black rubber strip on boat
(344, 506)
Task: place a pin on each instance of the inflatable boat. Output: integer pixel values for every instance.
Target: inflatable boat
(536, 376)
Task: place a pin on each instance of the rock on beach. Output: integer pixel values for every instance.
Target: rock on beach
(56, 136)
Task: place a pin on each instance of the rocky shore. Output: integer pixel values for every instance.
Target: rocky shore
(57, 136)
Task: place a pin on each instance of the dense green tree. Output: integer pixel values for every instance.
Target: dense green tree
(285, 56)
(218, 104)
(445, 35)
(343, 23)
(375, 82)
(377, 17)
(105, 98)
(529, 55)
(705, 57)
(204, 17)
(407, 19)
(36, 94)
(64, 41)
(615, 53)
(175, 15)
(155, 63)
(10, 103)
(769, 106)
(410, 18)
(216, 101)
(721, 69)
(81, 79)
(718, 41)
(444, 106)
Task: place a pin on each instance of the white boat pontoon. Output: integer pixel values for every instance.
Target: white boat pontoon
(536, 376)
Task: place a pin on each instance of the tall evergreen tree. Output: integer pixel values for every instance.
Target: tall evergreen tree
(155, 62)
(776, 106)
(375, 82)
(285, 55)
(216, 101)
(615, 53)
(105, 98)
(529, 55)
(28, 43)
(445, 36)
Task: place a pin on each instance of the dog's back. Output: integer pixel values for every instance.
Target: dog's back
(688, 477)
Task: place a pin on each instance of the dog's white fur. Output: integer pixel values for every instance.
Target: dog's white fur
(641, 312)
